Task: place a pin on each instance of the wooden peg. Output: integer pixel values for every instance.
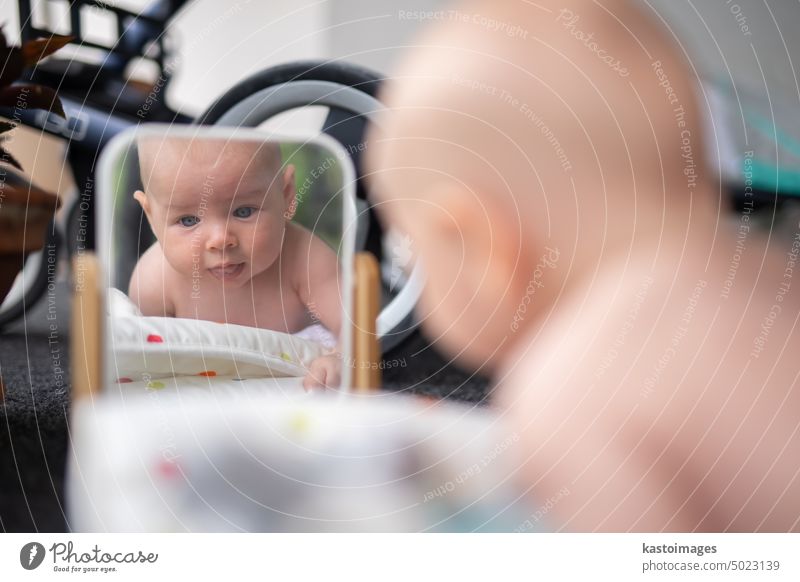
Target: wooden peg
(86, 327)
(366, 346)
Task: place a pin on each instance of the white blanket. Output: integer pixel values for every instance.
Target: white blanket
(152, 348)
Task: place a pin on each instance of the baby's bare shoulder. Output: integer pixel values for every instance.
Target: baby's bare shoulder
(151, 282)
(314, 268)
(152, 258)
(305, 252)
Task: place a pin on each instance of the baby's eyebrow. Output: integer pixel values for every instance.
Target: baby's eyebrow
(252, 196)
(183, 207)
(249, 195)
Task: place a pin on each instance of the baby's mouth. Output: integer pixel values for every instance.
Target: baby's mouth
(227, 271)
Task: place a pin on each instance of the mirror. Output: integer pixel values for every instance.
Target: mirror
(229, 254)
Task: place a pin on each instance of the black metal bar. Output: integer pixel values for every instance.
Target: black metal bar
(25, 20)
(75, 19)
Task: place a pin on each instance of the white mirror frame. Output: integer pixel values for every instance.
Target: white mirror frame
(105, 210)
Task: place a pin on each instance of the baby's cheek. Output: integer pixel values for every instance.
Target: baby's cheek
(266, 243)
(181, 256)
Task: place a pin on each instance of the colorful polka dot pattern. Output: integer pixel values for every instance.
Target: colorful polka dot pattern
(185, 370)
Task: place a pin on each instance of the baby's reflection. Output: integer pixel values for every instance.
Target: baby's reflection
(226, 248)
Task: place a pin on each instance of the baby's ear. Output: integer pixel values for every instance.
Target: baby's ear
(141, 198)
(485, 234)
(289, 192)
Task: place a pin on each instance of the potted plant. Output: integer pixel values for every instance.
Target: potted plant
(25, 210)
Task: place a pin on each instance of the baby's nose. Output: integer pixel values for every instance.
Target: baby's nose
(221, 238)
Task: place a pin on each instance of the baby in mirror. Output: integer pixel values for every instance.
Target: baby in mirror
(226, 248)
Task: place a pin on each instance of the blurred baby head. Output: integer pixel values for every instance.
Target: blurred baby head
(517, 162)
(218, 207)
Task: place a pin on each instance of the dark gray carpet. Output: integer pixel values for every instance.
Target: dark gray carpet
(33, 434)
(33, 422)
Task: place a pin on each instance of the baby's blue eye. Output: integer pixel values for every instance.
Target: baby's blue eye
(244, 212)
(188, 221)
